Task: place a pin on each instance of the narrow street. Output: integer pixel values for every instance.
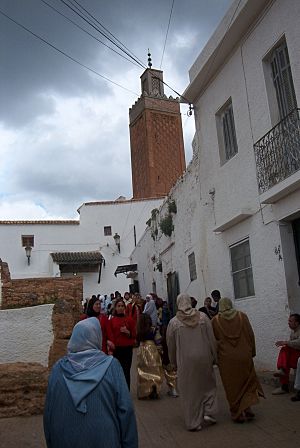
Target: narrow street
(160, 425)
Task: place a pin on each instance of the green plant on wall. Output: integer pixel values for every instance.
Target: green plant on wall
(152, 223)
(166, 225)
(172, 207)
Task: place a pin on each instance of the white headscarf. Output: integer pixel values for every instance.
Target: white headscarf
(150, 309)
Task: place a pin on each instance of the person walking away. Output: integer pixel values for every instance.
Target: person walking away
(236, 350)
(169, 372)
(149, 366)
(124, 334)
(88, 402)
(192, 349)
(288, 355)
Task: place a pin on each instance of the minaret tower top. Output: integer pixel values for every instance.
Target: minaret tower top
(156, 140)
(152, 80)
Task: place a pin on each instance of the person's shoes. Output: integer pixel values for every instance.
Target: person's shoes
(173, 393)
(196, 429)
(210, 420)
(280, 390)
(296, 397)
(153, 395)
(240, 419)
(249, 414)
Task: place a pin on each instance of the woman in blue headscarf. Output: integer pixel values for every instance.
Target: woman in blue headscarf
(88, 402)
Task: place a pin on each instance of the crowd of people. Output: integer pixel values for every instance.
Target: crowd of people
(90, 387)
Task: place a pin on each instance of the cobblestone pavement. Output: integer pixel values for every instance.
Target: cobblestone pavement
(277, 425)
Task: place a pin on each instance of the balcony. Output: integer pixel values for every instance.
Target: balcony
(277, 156)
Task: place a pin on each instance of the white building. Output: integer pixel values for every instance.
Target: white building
(237, 226)
(81, 247)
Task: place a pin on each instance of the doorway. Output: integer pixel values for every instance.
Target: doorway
(173, 291)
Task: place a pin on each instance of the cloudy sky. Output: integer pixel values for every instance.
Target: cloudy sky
(64, 136)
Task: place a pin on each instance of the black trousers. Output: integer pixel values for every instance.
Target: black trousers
(124, 356)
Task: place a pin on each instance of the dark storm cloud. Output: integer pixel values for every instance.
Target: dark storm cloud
(65, 130)
(30, 67)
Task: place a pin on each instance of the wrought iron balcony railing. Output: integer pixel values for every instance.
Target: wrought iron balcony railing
(277, 153)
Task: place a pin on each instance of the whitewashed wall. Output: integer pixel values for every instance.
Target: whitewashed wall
(173, 251)
(277, 291)
(26, 334)
(86, 235)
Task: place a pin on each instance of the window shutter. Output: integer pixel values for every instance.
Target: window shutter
(283, 81)
(230, 144)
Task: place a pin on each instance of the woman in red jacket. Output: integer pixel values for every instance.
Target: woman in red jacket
(94, 310)
(124, 334)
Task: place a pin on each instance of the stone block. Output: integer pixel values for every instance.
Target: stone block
(22, 389)
(57, 350)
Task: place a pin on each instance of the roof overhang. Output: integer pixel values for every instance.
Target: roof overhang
(77, 258)
(125, 268)
(235, 25)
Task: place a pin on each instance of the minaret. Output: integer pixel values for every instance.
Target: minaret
(156, 139)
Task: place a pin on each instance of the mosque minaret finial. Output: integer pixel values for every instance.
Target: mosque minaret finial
(149, 59)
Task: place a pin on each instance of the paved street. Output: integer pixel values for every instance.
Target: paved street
(160, 425)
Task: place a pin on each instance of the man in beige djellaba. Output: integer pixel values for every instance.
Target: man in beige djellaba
(192, 350)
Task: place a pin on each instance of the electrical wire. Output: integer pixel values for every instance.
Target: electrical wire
(87, 32)
(166, 35)
(83, 17)
(111, 34)
(181, 96)
(76, 11)
(65, 54)
(136, 60)
(173, 90)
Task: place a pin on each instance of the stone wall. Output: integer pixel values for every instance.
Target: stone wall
(20, 293)
(23, 384)
(22, 389)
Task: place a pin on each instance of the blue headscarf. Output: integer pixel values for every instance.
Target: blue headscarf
(85, 364)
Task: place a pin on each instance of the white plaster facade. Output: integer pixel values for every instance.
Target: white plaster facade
(26, 334)
(86, 234)
(218, 204)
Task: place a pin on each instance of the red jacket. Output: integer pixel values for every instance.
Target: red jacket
(122, 339)
(133, 310)
(107, 334)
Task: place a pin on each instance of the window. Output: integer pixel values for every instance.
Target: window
(192, 266)
(154, 287)
(279, 82)
(282, 80)
(27, 240)
(226, 132)
(242, 270)
(107, 230)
